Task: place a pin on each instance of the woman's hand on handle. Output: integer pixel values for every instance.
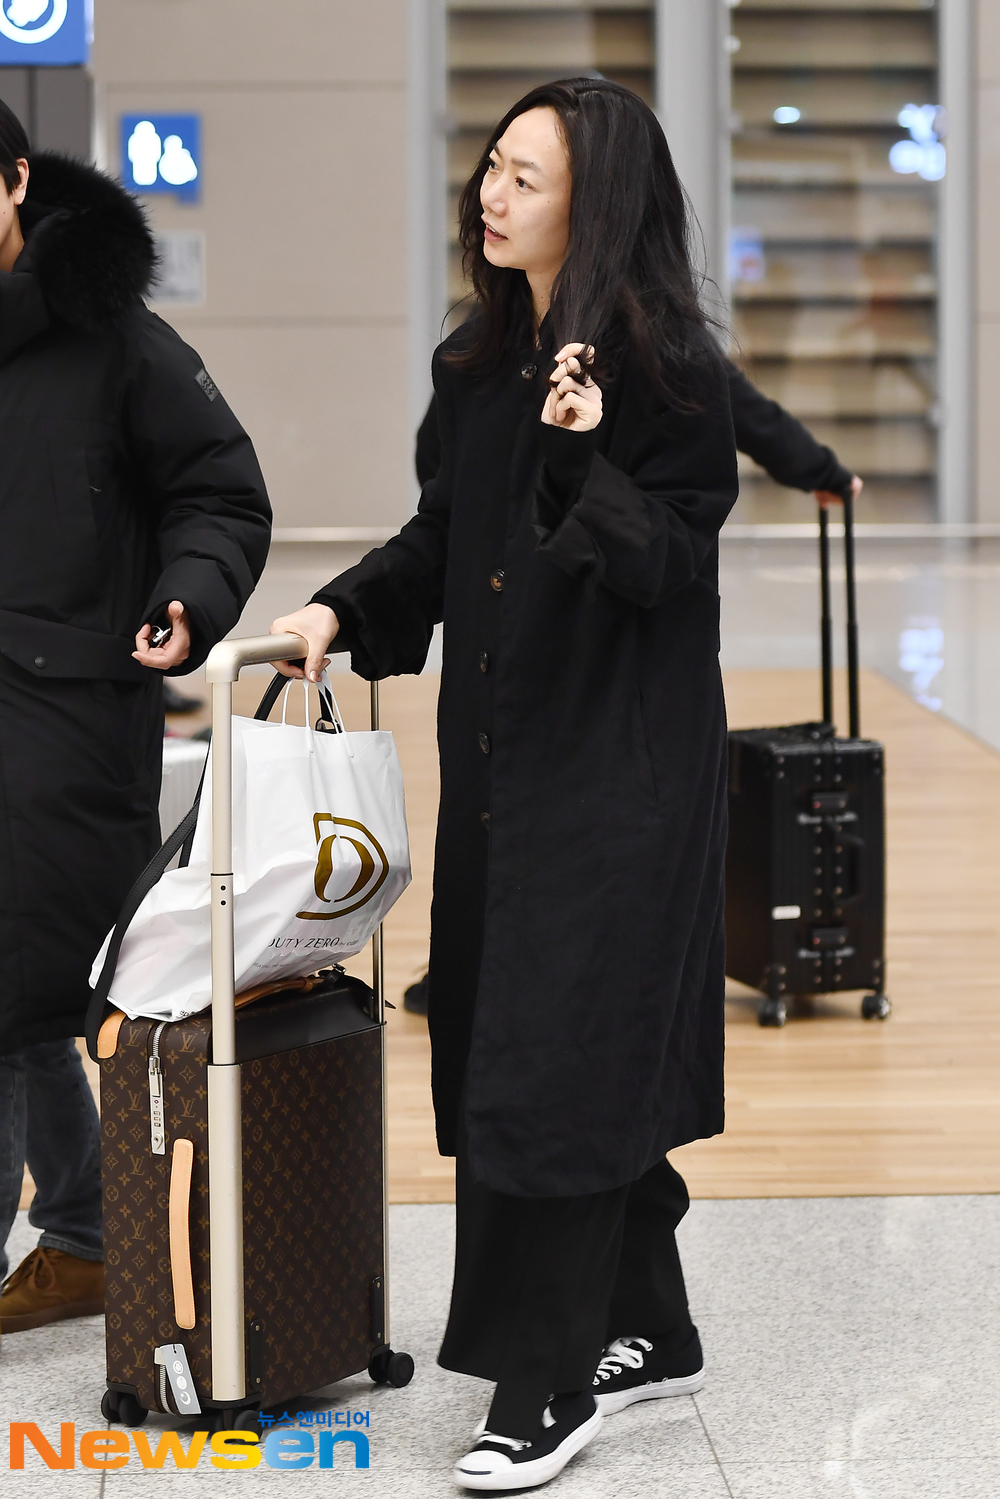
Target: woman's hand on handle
(827, 497)
(574, 402)
(318, 625)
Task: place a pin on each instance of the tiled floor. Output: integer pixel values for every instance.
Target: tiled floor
(852, 1349)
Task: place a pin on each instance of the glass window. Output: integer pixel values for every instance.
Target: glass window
(837, 150)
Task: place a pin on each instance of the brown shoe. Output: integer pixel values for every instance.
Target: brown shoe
(48, 1286)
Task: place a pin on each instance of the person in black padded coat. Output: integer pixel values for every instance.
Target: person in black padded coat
(129, 495)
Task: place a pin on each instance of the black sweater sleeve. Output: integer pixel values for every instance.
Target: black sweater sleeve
(643, 525)
(779, 442)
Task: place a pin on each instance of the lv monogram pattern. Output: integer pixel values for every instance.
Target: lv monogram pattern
(312, 1207)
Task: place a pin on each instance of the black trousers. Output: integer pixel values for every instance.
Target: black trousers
(542, 1284)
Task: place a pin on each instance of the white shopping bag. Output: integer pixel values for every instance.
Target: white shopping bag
(320, 853)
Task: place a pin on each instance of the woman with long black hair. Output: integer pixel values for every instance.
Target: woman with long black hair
(569, 542)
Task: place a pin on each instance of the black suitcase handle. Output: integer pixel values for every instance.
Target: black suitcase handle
(826, 619)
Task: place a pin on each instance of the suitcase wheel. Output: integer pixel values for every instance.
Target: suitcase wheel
(386, 1367)
(119, 1406)
(773, 1012)
(242, 1418)
(876, 1007)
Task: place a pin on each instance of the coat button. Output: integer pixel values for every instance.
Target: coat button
(39, 661)
(484, 661)
(529, 371)
(484, 743)
(496, 580)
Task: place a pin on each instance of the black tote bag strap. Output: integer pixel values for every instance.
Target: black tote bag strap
(179, 841)
(278, 684)
(271, 696)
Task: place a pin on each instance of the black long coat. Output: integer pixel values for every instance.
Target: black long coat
(772, 436)
(125, 482)
(576, 970)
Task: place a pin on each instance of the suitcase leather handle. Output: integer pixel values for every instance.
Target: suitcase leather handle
(181, 1171)
(107, 1040)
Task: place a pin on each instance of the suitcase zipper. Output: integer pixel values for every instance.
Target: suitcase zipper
(157, 1134)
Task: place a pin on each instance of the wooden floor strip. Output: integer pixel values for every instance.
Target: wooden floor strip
(832, 1105)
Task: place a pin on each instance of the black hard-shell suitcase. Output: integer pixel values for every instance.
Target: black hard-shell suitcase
(243, 1162)
(805, 864)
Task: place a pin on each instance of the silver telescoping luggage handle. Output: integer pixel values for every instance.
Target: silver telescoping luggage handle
(225, 1133)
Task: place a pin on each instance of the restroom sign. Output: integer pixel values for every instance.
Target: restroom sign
(162, 154)
(45, 33)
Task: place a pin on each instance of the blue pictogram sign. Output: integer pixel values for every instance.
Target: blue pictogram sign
(162, 154)
(45, 33)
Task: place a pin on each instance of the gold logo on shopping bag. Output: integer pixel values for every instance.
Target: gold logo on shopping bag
(374, 866)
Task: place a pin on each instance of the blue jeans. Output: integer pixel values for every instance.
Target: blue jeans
(49, 1119)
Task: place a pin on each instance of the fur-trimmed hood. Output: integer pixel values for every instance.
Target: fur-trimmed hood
(86, 241)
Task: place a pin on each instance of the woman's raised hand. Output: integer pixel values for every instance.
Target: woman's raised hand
(574, 402)
(318, 625)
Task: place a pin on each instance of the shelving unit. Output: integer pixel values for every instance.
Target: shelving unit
(834, 277)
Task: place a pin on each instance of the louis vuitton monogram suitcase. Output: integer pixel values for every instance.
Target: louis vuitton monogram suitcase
(243, 1158)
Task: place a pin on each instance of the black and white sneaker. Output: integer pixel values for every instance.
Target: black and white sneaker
(634, 1369)
(499, 1462)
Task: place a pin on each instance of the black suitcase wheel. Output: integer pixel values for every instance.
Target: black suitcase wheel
(120, 1406)
(876, 1007)
(386, 1367)
(773, 1012)
(243, 1418)
(400, 1370)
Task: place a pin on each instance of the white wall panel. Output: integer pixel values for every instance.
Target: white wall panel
(327, 410)
(303, 200)
(304, 211)
(298, 42)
